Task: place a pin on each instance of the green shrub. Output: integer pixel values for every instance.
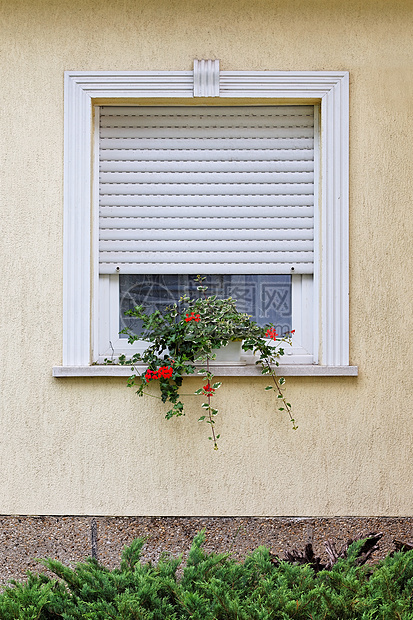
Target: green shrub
(215, 587)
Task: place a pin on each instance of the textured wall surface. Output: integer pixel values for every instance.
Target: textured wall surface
(87, 445)
(24, 539)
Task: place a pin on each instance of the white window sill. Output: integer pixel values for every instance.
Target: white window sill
(220, 370)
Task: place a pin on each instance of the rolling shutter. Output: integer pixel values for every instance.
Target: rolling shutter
(206, 190)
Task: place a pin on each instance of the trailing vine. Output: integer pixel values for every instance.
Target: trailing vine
(183, 341)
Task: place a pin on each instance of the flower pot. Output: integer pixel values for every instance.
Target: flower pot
(230, 354)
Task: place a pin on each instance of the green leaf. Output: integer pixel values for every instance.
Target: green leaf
(217, 385)
(205, 406)
(281, 409)
(269, 387)
(201, 419)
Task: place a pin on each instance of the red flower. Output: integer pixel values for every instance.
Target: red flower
(208, 389)
(192, 316)
(164, 371)
(271, 333)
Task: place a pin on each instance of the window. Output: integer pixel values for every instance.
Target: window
(320, 294)
(187, 190)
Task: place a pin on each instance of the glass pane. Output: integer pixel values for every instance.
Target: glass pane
(267, 298)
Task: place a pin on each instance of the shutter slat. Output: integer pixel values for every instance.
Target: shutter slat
(233, 155)
(110, 225)
(180, 143)
(166, 267)
(154, 133)
(208, 257)
(177, 176)
(210, 235)
(121, 113)
(114, 239)
(206, 189)
(171, 210)
(205, 245)
(108, 167)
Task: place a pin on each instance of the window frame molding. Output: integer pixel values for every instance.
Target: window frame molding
(84, 89)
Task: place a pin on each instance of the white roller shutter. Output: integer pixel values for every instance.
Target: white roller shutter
(206, 190)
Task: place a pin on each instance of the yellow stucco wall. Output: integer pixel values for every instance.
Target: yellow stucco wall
(88, 446)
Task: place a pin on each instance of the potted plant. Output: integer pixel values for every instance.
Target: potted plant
(183, 340)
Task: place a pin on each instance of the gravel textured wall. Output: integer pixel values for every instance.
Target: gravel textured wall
(23, 539)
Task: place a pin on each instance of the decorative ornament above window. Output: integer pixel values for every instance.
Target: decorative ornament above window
(206, 78)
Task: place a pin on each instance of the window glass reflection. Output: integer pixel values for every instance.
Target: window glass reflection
(267, 298)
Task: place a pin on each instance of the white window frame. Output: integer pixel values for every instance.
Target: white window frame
(84, 90)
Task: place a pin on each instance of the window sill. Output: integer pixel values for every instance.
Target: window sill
(250, 370)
